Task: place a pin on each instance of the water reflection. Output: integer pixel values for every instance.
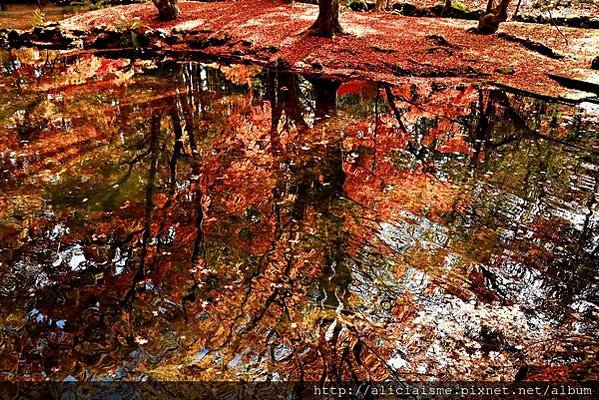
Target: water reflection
(206, 221)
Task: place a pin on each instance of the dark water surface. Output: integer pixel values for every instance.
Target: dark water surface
(207, 221)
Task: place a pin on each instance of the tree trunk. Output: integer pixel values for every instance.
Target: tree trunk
(380, 5)
(327, 23)
(167, 9)
(325, 93)
(489, 22)
(446, 8)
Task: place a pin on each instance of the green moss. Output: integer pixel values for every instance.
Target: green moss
(458, 5)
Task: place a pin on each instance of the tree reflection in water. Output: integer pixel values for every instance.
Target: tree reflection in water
(230, 222)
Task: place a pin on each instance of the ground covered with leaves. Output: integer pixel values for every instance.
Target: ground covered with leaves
(379, 46)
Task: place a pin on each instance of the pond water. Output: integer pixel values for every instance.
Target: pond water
(206, 221)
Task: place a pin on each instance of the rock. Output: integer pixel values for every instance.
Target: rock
(14, 38)
(407, 9)
(358, 5)
(573, 22)
(3, 38)
(505, 70)
(107, 40)
(439, 40)
(204, 41)
(50, 36)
